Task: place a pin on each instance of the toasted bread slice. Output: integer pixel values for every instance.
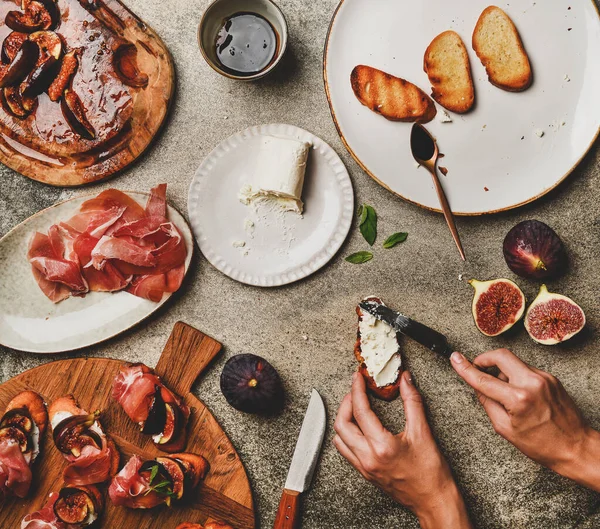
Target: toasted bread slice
(392, 97)
(498, 45)
(388, 392)
(446, 63)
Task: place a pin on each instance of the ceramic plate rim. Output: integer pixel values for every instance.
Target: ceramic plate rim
(381, 183)
(319, 258)
(115, 334)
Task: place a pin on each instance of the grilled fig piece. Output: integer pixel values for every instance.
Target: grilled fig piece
(176, 472)
(23, 62)
(49, 43)
(252, 385)
(78, 505)
(553, 318)
(13, 102)
(38, 15)
(74, 113)
(157, 415)
(196, 468)
(34, 406)
(39, 79)
(73, 433)
(16, 434)
(125, 64)
(171, 427)
(62, 81)
(11, 45)
(18, 417)
(497, 305)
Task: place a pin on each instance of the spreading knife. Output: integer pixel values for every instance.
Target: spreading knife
(304, 461)
(420, 333)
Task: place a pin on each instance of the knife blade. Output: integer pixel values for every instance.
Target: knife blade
(304, 462)
(420, 333)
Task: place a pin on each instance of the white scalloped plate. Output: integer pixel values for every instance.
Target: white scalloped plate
(30, 322)
(283, 247)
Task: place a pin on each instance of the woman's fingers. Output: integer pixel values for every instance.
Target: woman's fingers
(366, 419)
(481, 382)
(512, 366)
(347, 430)
(414, 410)
(343, 449)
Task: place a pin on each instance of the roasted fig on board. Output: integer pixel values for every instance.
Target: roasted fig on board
(74, 113)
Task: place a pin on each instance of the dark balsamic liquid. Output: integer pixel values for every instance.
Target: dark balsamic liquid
(421, 144)
(246, 44)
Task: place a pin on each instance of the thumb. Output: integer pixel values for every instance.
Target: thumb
(414, 410)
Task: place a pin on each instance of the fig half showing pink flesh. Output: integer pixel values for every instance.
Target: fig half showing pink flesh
(497, 305)
(533, 250)
(553, 318)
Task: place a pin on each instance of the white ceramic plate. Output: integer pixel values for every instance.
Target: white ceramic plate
(493, 147)
(30, 322)
(283, 247)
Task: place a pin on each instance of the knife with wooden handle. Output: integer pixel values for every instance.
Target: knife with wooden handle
(303, 464)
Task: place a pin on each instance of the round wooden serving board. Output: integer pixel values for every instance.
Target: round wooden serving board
(224, 495)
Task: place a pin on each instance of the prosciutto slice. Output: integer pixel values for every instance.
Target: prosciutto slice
(15, 473)
(111, 244)
(45, 517)
(134, 388)
(131, 489)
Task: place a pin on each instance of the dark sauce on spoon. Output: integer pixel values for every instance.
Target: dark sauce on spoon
(421, 143)
(246, 44)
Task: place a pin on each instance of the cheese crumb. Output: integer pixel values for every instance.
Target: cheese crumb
(445, 117)
(567, 78)
(460, 277)
(238, 244)
(539, 133)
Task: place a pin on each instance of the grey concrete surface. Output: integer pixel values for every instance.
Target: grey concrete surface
(502, 487)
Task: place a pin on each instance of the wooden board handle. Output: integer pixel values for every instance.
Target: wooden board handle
(186, 354)
(288, 513)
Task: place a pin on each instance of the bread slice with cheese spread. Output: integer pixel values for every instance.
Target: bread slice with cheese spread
(500, 49)
(446, 63)
(394, 98)
(378, 352)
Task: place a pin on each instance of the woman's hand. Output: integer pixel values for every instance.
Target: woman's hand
(409, 466)
(532, 410)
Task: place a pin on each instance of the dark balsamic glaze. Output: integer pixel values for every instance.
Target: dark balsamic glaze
(421, 143)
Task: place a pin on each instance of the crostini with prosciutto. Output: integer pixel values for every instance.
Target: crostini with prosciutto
(154, 407)
(92, 456)
(21, 428)
(146, 484)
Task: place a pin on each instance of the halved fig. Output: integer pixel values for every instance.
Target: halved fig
(78, 505)
(533, 250)
(34, 405)
(39, 80)
(18, 417)
(11, 45)
(16, 434)
(35, 17)
(171, 427)
(23, 62)
(74, 113)
(49, 43)
(176, 471)
(62, 81)
(125, 65)
(12, 100)
(196, 467)
(497, 305)
(157, 415)
(553, 318)
(73, 433)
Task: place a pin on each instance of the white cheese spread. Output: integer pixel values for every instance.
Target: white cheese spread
(379, 348)
(58, 417)
(444, 117)
(278, 175)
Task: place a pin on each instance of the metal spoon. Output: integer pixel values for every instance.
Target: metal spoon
(425, 151)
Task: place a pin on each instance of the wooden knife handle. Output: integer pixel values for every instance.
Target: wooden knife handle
(288, 513)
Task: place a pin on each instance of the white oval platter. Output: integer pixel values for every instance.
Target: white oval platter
(30, 322)
(495, 159)
(279, 248)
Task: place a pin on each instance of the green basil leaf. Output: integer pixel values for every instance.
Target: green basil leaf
(153, 473)
(359, 257)
(394, 239)
(368, 224)
(360, 212)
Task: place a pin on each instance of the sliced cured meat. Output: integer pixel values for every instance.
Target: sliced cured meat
(45, 517)
(91, 454)
(111, 244)
(132, 489)
(149, 403)
(15, 473)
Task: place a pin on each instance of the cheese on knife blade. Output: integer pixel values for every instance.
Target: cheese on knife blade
(278, 176)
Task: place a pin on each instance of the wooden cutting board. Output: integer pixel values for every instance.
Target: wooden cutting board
(224, 495)
(34, 154)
